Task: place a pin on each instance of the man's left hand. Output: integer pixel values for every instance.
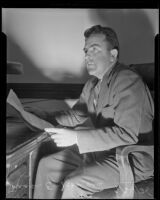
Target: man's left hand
(63, 137)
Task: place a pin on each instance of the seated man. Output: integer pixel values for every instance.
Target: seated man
(120, 106)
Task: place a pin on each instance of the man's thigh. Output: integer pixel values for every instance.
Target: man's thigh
(95, 176)
(54, 167)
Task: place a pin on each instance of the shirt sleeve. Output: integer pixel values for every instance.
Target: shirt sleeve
(128, 100)
(75, 116)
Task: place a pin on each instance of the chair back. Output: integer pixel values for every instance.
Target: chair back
(146, 71)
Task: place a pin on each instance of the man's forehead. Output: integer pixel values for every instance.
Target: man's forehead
(94, 39)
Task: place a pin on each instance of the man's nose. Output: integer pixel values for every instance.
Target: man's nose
(88, 57)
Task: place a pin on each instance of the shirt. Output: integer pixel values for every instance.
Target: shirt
(96, 92)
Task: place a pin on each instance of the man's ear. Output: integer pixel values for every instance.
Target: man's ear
(114, 54)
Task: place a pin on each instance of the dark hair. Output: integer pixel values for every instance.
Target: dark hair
(109, 33)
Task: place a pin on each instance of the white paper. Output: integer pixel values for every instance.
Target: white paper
(30, 119)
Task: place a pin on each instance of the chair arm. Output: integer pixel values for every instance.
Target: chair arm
(126, 186)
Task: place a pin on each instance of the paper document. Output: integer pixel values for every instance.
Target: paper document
(34, 122)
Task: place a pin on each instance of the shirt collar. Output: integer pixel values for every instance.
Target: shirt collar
(107, 75)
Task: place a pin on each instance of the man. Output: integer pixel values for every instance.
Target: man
(120, 107)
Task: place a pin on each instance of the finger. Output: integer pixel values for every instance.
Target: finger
(55, 136)
(51, 130)
(51, 134)
(61, 145)
(54, 130)
(58, 141)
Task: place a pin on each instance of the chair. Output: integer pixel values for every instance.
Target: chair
(127, 189)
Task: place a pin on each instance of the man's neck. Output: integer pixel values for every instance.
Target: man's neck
(107, 69)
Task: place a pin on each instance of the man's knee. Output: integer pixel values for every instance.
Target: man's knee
(42, 164)
(71, 189)
(48, 162)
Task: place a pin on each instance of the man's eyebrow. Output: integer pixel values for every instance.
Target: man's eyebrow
(85, 49)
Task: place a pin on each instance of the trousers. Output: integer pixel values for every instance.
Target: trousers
(69, 174)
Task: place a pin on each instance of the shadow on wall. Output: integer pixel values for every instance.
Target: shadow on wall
(15, 53)
(135, 32)
(136, 37)
(31, 73)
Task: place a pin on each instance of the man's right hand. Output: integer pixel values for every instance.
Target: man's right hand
(36, 111)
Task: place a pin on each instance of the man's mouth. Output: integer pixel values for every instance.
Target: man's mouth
(90, 63)
(91, 66)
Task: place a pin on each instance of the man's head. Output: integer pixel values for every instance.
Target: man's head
(101, 49)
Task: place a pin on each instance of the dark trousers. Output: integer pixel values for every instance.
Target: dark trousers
(69, 174)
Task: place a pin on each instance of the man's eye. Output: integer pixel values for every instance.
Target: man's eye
(95, 49)
(91, 50)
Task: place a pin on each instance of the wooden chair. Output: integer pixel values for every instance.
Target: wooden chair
(127, 189)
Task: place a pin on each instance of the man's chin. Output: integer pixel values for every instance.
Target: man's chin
(91, 73)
